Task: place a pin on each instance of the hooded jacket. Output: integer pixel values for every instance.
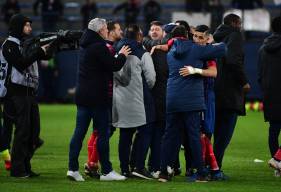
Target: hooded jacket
(96, 65)
(269, 76)
(231, 76)
(133, 104)
(22, 69)
(186, 94)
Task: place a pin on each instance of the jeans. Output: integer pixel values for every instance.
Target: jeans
(100, 117)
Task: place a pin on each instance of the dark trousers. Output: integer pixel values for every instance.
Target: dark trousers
(274, 131)
(27, 130)
(155, 146)
(100, 117)
(7, 121)
(138, 151)
(190, 122)
(224, 128)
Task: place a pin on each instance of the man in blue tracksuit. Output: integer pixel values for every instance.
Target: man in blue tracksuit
(185, 100)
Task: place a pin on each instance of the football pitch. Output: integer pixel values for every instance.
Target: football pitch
(57, 124)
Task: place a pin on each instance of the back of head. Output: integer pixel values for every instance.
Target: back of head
(276, 25)
(16, 25)
(230, 19)
(96, 24)
(179, 31)
(132, 32)
(183, 23)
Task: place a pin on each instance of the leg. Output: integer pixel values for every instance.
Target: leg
(274, 131)
(100, 117)
(225, 124)
(83, 118)
(124, 148)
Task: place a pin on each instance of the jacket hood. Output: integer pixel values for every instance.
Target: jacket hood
(133, 44)
(222, 31)
(181, 47)
(272, 43)
(89, 37)
(16, 25)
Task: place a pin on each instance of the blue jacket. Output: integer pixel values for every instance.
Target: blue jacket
(187, 93)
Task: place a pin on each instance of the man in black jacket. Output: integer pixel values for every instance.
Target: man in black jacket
(92, 100)
(231, 84)
(269, 79)
(19, 82)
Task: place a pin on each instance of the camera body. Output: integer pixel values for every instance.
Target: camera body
(59, 41)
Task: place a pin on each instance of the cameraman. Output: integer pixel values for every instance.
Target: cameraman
(18, 86)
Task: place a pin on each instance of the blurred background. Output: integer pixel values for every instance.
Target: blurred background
(58, 75)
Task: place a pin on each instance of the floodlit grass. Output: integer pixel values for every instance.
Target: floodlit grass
(57, 121)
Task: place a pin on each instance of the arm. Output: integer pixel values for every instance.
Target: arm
(109, 62)
(160, 47)
(14, 57)
(189, 70)
(148, 69)
(210, 52)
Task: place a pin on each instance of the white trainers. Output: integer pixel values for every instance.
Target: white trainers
(277, 173)
(74, 176)
(112, 176)
(155, 174)
(274, 164)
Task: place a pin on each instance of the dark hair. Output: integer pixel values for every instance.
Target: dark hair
(183, 23)
(111, 25)
(231, 18)
(179, 31)
(157, 23)
(203, 29)
(276, 24)
(132, 31)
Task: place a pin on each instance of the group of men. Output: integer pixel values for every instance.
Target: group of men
(156, 98)
(160, 91)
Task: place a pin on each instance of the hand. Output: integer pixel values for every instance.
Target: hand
(185, 71)
(246, 88)
(126, 50)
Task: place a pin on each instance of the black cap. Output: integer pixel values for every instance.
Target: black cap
(16, 25)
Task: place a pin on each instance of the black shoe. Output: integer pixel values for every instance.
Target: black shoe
(20, 175)
(177, 171)
(38, 144)
(91, 171)
(144, 174)
(33, 174)
(127, 174)
(164, 177)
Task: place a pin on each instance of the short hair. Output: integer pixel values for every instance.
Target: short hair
(203, 29)
(132, 32)
(231, 18)
(96, 24)
(179, 31)
(111, 25)
(157, 23)
(184, 23)
(276, 24)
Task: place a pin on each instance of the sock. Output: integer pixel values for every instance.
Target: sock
(210, 155)
(277, 155)
(203, 144)
(91, 146)
(95, 155)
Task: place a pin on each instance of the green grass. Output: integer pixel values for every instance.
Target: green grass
(58, 121)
